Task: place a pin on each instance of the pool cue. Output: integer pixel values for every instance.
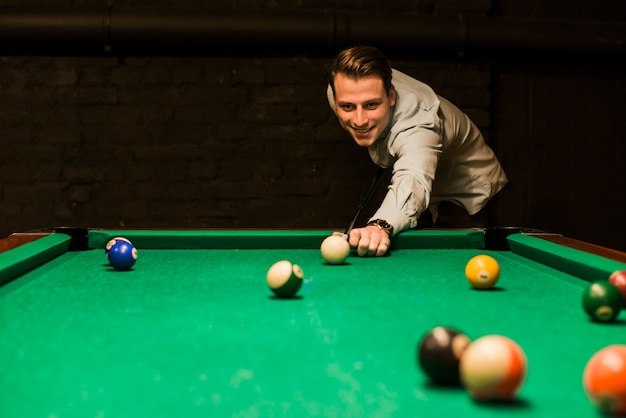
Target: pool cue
(377, 176)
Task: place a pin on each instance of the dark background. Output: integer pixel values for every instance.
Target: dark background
(157, 123)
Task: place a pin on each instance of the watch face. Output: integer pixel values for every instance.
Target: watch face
(382, 224)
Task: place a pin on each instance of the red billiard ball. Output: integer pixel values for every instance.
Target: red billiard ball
(602, 301)
(122, 255)
(493, 368)
(482, 272)
(439, 353)
(604, 380)
(618, 279)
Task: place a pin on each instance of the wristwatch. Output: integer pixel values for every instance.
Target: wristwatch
(383, 225)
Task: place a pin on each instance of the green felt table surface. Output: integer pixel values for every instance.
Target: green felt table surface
(194, 332)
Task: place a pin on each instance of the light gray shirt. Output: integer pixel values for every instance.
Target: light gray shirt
(437, 154)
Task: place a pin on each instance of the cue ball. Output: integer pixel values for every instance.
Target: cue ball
(493, 368)
(602, 301)
(618, 279)
(122, 255)
(439, 353)
(112, 242)
(604, 380)
(482, 272)
(335, 249)
(285, 278)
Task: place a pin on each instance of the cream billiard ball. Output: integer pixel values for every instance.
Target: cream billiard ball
(493, 368)
(285, 278)
(482, 272)
(335, 249)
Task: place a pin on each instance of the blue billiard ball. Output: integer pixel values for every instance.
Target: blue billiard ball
(112, 242)
(122, 255)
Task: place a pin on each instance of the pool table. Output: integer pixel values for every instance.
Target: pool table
(193, 330)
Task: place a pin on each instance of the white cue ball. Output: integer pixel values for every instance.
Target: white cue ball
(335, 249)
(285, 278)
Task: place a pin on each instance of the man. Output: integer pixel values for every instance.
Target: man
(441, 163)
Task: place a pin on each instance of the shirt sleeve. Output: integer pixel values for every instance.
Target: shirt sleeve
(416, 152)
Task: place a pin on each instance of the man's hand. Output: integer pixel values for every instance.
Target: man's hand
(369, 241)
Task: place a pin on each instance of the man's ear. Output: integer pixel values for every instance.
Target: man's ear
(392, 96)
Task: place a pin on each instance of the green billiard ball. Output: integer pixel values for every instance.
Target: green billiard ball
(602, 301)
(285, 278)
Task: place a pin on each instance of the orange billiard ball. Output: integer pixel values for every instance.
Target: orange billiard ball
(493, 368)
(604, 380)
(482, 271)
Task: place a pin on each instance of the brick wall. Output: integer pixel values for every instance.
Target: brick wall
(194, 142)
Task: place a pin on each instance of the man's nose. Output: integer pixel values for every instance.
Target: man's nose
(360, 117)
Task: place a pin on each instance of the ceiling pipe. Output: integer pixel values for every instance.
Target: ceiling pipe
(170, 32)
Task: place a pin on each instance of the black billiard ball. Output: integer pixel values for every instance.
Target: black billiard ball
(439, 353)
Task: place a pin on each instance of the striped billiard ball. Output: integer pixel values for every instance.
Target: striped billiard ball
(493, 368)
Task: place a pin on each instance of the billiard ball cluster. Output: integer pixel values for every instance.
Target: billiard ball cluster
(491, 368)
(121, 253)
(494, 367)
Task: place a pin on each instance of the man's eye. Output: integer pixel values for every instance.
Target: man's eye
(347, 107)
(371, 106)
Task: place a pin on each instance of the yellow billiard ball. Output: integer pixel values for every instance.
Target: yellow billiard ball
(482, 272)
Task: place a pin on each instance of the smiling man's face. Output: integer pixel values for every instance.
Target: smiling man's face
(363, 107)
